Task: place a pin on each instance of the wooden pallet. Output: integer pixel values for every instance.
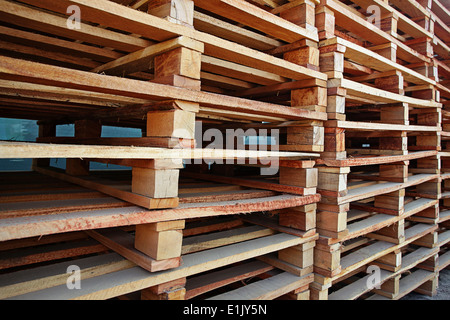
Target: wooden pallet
(361, 255)
(380, 168)
(42, 227)
(391, 282)
(179, 68)
(229, 252)
(358, 114)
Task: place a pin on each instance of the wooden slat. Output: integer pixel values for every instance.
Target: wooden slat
(218, 239)
(123, 243)
(409, 283)
(40, 278)
(360, 161)
(142, 60)
(14, 69)
(13, 150)
(120, 17)
(17, 228)
(259, 184)
(18, 14)
(134, 279)
(375, 126)
(257, 18)
(375, 61)
(267, 289)
(134, 198)
(205, 283)
(362, 91)
(222, 29)
(383, 188)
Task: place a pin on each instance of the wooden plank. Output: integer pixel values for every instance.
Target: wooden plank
(383, 188)
(375, 61)
(208, 282)
(444, 260)
(409, 283)
(379, 221)
(267, 289)
(231, 32)
(17, 228)
(60, 94)
(48, 23)
(257, 18)
(359, 287)
(64, 194)
(443, 238)
(441, 10)
(373, 126)
(40, 278)
(27, 257)
(58, 57)
(259, 184)
(411, 8)
(360, 161)
(120, 17)
(123, 243)
(60, 45)
(279, 89)
(273, 260)
(19, 70)
(218, 239)
(23, 209)
(158, 142)
(363, 91)
(270, 223)
(134, 279)
(405, 24)
(238, 71)
(224, 195)
(354, 22)
(140, 200)
(378, 249)
(142, 60)
(13, 150)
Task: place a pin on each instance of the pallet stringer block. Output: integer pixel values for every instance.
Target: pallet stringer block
(177, 11)
(160, 241)
(178, 67)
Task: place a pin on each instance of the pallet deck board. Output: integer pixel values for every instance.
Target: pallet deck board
(360, 287)
(57, 76)
(40, 278)
(382, 188)
(13, 150)
(267, 289)
(29, 223)
(130, 280)
(204, 283)
(409, 283)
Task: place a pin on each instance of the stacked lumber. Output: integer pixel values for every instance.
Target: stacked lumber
(346, 99)
(380, 170)
(46, 231)
(441, 13)
(188, 220)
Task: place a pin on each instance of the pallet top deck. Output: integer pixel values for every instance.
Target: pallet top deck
(37, 205)
(117, 44)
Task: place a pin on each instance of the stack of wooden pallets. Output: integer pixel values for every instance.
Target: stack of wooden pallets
(380, 173)
(441, 15)
(190, 219)
(290, 149)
